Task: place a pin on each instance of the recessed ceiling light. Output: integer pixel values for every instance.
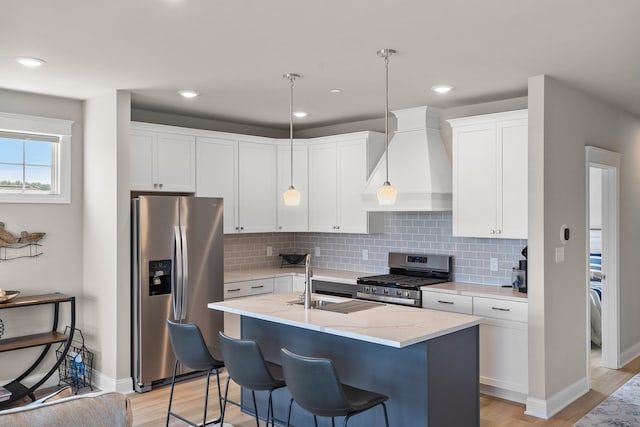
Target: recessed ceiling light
(189, 93)
(300, 114)
(30, 62)
(335, 90)
(441, 88)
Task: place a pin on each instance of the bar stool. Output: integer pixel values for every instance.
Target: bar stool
(247, 367)
(314, 385)
(191, 350)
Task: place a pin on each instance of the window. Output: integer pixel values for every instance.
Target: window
(34, 159)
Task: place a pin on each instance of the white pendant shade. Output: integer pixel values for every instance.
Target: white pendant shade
(291, 197)
(387, 194)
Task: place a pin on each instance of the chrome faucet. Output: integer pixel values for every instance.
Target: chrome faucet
(308, 272)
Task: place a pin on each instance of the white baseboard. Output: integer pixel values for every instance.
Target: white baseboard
(501, 393)
(106, 383)
(629, 354)
(548, 408)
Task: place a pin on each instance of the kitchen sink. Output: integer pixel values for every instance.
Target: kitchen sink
(315, 303)
(344, 307)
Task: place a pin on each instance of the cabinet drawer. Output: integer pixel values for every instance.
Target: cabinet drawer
(250, 287)
(447, 302)
(500, 309)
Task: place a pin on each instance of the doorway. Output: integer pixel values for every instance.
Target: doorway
(602, 214)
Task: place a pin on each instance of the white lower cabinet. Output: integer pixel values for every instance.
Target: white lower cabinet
(248, 288)
(504, 342)
(282, 284)
(298, 283)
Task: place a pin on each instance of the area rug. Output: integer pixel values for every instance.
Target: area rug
(621, 409)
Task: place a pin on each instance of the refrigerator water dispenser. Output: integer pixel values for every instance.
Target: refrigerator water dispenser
(160, 273)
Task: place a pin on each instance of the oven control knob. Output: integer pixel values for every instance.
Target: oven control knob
(399, 293)
(373, 290)
(406, 294)
(386, 291)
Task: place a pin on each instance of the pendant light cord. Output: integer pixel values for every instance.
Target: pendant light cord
(386, 115)
(291, 79)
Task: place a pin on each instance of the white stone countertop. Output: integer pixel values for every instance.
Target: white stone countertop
(388, 324)
(348, 277)
(476, 290)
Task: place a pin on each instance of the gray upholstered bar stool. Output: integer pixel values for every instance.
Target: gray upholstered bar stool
(191, 350)
(314, 385)
(247, 368)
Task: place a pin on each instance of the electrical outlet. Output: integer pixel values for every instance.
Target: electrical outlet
(493, 264)
(560, 254)
(316, 251)
(269, 251)
(365, 254)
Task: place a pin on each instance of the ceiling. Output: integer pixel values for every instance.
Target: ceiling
(235, 53)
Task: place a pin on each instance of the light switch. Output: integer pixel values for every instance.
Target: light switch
(269, 251)
(317, 251)
(365, 254)
(560, 254)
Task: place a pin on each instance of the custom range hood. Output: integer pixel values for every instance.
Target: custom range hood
(419, 167)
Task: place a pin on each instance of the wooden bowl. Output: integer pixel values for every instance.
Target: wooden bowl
(8, 296)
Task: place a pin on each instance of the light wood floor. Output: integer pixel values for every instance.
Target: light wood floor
(149, 409)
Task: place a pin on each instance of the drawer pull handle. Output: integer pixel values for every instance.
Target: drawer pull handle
(445, 302)
(500, 309)
(234, 290)
(257, 287)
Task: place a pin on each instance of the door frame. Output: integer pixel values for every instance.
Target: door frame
(609, 163)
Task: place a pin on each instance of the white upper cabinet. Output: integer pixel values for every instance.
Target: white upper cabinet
(490, 175)
(293, 218)
(161, 160)
(339, 167)
(257, 186)
(216, 175)
(243, 173)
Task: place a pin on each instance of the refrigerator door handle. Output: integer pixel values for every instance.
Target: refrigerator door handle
(176, 278)
(185, 272)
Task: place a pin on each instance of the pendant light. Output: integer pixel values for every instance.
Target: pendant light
(292, 195)
(386, 193)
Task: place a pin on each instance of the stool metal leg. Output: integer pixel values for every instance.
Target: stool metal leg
(315, 420)
(386, 417)
(173, 383)
(255, 407)
(206, 400)
(224, 408)
(289, 416)
(333, 422)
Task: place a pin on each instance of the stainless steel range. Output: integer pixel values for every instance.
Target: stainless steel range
(407, 273)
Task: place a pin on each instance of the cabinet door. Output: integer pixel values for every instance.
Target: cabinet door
(474, 181)
(298, 283)
(216, 175)
(323, 180)
(504, 355)
(512, 184)
(256, 187)
(352, 178)
(142, 162)
(282, 285)
(176, 158)
(293, 218)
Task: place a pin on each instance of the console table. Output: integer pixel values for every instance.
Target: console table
(45, 339)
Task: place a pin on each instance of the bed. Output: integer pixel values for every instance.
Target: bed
(595, 285)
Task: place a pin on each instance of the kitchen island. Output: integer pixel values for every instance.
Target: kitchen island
(426, 361)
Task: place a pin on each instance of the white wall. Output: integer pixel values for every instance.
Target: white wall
(562, 121)
(60, 267)
(106, 280)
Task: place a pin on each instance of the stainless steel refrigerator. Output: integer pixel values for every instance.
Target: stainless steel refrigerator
(177, 268)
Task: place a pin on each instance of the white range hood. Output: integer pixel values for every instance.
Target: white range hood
(419, 167)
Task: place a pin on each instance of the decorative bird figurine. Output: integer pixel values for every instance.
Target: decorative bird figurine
(26, 237)
(6, 237)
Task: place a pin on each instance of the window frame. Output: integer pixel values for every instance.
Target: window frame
(61, 166)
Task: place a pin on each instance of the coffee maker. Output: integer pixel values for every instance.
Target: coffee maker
(519, 274)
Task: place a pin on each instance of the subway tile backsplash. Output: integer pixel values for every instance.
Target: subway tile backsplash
(422, 232)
